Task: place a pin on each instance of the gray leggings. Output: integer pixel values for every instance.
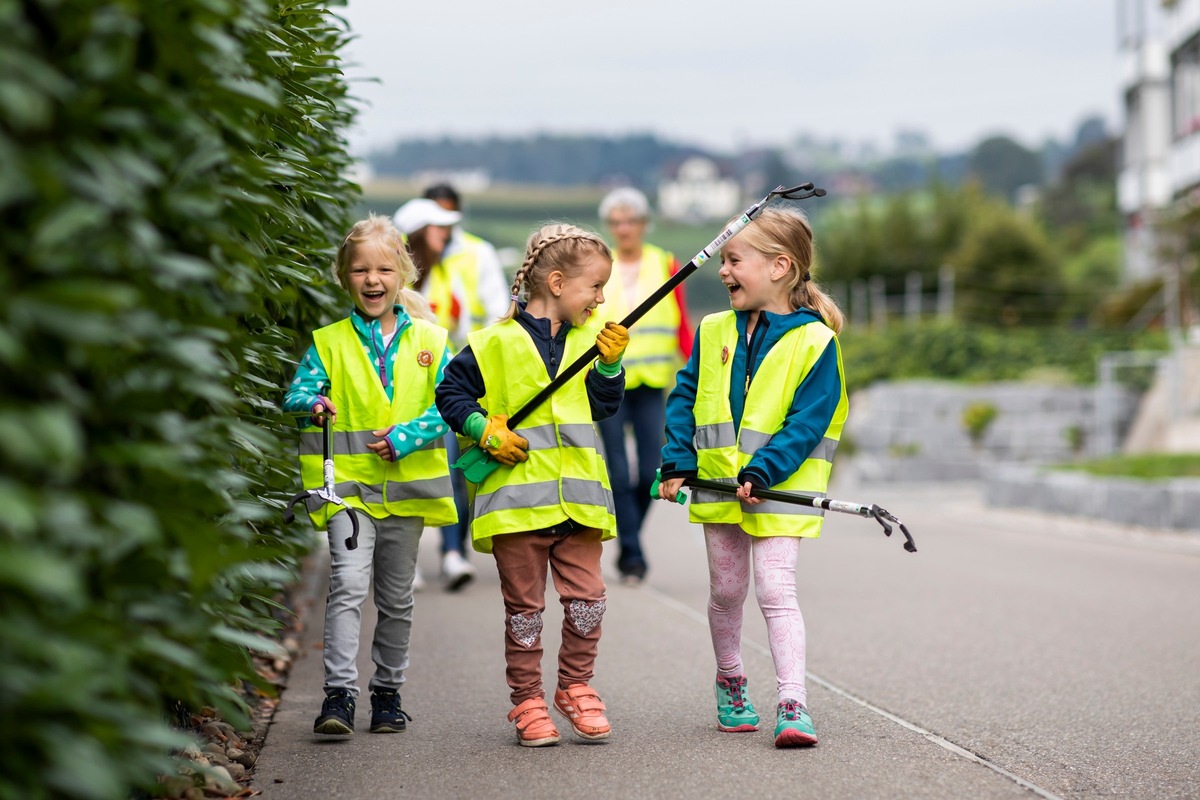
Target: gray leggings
(387, 552)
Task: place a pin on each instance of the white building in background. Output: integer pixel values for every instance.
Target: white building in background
(1144, 188)
(698, 193)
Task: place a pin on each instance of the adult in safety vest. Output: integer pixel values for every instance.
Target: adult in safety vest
(664, 340)
(465, 289)
(476, 264)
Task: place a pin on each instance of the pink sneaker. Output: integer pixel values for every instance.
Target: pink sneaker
(584, 709)
(534, 726)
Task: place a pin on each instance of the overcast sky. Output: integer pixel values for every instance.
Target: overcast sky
(733, 73)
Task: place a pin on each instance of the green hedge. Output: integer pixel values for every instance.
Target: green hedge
(976, 353)
(171, 180)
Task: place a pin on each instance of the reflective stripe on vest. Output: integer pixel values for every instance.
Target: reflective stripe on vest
(417, 485)
(722, 453)
(652, 356)
(565, 474)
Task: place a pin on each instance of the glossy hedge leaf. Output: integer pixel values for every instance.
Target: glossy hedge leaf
(172, 180)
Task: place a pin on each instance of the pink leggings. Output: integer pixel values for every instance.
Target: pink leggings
(729, 551)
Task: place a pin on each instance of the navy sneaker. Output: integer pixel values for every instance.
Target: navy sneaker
(632, 572)
(386, 714)
(337, 713)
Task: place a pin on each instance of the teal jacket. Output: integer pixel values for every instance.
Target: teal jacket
(312, 382)
(811, 411)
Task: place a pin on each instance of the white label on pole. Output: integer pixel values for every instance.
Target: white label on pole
(715, 244)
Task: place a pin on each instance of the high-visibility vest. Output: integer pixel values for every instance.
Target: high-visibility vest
(439, 291)
(652, 356)
(464, 263)
(722, 452)
(417, 485)
(565, 475)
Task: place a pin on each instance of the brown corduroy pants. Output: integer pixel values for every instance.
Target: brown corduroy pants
(574, 562)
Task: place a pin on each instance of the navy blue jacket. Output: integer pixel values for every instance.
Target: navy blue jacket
(458, 394)
(811, 411)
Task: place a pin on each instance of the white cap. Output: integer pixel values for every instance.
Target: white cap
(416, 214)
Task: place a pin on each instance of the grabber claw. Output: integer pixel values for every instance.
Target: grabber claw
(328, 492)
(883, 517)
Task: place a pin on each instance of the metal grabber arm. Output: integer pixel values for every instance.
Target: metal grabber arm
(873, 511)
(328, 492)
(475, 462)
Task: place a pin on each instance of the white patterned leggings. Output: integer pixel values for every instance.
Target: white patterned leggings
(730, 550)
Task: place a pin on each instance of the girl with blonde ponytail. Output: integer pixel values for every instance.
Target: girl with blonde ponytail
(765, 387)
(550, 504)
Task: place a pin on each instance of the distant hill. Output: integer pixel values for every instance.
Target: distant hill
(643, 160)
(544, 159)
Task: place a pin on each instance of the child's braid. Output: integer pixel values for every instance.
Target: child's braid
(538, 264)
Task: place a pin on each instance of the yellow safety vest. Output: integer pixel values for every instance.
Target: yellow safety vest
(462, 266)
(722, 452)
(439, 291)
(417, 485)
(465, 264)
(652, 357)
(565, 475)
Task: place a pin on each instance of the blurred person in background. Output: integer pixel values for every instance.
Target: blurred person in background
(477, 266)
(663, 344)
(428, 228)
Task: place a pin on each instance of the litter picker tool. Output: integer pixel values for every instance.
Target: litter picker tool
(475, 462)
(328, 492)
(877, 513)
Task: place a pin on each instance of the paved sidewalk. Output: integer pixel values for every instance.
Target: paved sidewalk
(1015, 655)
(654, 672)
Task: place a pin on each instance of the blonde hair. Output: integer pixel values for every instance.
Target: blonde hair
(555, 246)
(787, 232)
(383, 233)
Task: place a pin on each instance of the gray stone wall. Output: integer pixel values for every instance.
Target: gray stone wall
(913, 431)
(1164, 504)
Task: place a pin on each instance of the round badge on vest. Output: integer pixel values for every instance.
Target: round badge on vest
(425, 358)
(724, 354)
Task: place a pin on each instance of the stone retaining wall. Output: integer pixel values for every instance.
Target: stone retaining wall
(913, 431)
(1169, 504)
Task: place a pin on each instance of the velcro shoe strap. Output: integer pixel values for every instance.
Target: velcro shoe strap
(531, 713)
(585, 699)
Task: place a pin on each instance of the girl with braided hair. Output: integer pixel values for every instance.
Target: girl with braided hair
(551, 503)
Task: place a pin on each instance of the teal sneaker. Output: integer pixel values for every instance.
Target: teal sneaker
(793, 726)
(734, 712)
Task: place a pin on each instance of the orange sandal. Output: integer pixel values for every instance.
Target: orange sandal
(584, 709)
(534, 726)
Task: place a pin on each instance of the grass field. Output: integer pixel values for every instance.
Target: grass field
(506, 215)
(1148, 466)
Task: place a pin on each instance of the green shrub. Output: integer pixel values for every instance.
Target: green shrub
(977, 354)
(170, 178)
(1147, 466)
(977, 417)
(1007, 273)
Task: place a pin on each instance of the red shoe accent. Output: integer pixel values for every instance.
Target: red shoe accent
(584, 709)
(794, 738)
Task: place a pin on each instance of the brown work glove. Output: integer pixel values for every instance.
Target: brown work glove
(612, 342)
(501, 443)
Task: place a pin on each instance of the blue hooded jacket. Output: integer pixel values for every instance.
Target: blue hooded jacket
(811, 411)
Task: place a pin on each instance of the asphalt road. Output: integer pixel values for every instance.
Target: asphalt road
(1015, 655)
